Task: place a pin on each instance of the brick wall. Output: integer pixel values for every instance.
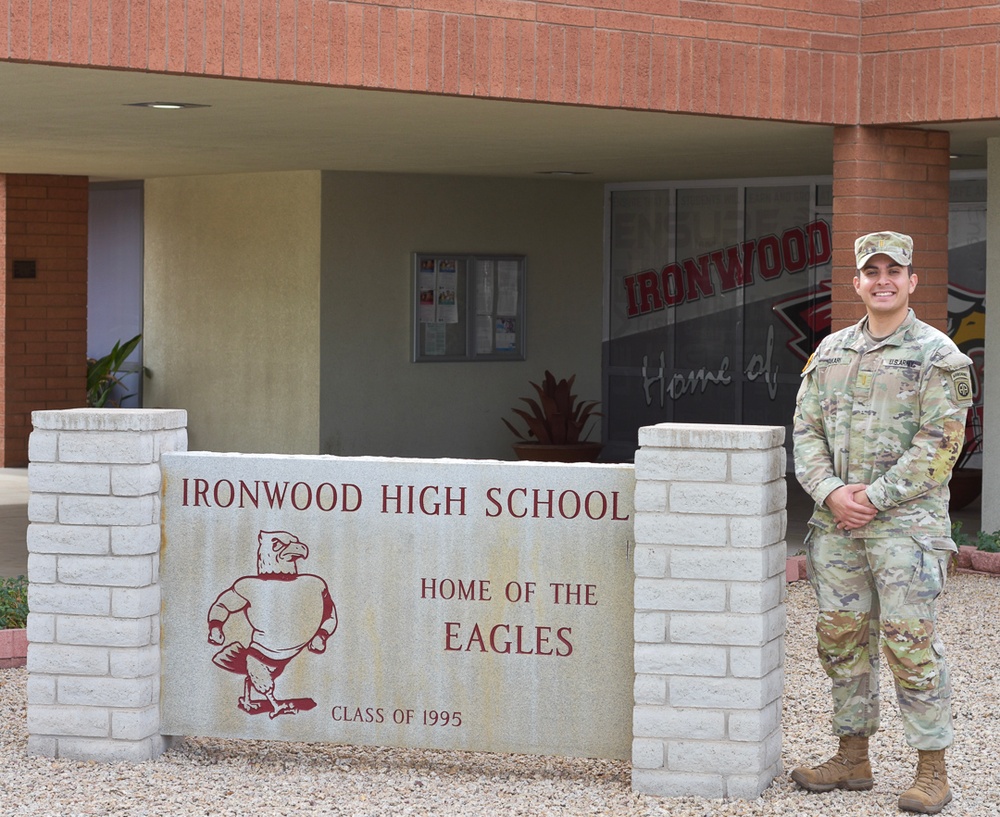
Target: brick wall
(891, 179)
(928, 61)
(837, 62)
(765, 59)
(44, 319)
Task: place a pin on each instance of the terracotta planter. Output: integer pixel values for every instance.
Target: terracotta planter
(985, 562)
(13, 648)
(964, 556)
(571, 452)
(795, 568)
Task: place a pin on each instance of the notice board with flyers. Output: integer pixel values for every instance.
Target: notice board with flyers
(468, 307)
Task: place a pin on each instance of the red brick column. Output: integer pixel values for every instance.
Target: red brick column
(43, 319)
(891, 179)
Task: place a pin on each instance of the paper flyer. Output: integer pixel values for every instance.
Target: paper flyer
(425, 286)
(447, 289)
(506, 335)
(434, 339)
(507, 287)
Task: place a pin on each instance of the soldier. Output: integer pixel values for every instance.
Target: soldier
(879, 422)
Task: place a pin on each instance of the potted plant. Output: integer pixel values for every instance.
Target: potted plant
(556, 425)
(13, 620)
(986, 556)
(102, 375)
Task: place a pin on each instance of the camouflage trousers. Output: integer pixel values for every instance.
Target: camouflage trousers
(872, 590)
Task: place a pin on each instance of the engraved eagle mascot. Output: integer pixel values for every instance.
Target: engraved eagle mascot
(287, 611)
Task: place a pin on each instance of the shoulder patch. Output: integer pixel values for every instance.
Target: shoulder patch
(810, 365)
(955, 368)
(952, 360)
(961, 384)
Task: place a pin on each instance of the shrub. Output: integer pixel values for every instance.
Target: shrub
(13, 603)
(988, 542)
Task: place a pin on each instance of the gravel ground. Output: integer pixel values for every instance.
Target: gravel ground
(220, 777)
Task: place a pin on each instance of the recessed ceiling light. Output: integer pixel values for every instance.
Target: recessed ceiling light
(563, 172)
(166, 106)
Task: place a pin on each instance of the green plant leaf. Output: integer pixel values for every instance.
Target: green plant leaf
(13, 603)
(988, 542)
(960, 539)
(102, 373)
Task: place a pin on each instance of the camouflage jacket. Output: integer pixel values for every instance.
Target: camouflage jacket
(892, 418)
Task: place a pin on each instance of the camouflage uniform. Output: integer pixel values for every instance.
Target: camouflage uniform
(893, 418)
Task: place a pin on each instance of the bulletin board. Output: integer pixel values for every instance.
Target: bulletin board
(468, 307)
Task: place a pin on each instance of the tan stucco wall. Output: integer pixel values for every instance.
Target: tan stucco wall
(374, 400)
(231, 308)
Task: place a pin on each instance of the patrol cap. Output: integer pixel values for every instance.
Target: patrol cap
(897, 246)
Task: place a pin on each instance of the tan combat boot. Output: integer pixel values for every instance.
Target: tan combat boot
(929, 792)
(848, 769)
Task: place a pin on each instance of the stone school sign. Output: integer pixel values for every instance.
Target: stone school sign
(463, 604)
(419, 603)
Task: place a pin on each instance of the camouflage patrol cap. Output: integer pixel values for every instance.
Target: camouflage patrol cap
(897, 246)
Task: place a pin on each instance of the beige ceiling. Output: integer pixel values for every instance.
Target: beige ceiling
(81, 122)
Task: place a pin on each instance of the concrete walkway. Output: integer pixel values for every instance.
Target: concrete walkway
(13, 522)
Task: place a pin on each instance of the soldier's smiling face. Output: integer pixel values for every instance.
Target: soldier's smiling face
(885, 285)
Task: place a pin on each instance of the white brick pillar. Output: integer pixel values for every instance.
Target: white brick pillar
(93, 572)
(709, 609)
